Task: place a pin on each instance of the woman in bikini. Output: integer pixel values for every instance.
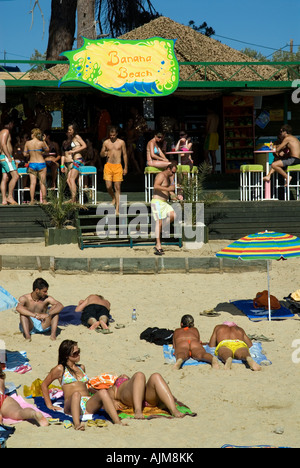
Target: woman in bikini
(155, 156)
(135, 392)
(186, 344)
(37, 168)
(10, 408)
(72, 377)
(73, 157)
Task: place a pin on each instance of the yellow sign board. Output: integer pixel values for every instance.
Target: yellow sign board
(125, 68)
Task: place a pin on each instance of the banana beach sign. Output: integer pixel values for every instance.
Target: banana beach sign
(125, 68)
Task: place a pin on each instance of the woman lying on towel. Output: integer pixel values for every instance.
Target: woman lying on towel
(72, 377)
(10, 409)
(136, 393)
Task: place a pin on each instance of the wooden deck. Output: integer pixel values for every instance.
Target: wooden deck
(225, 220)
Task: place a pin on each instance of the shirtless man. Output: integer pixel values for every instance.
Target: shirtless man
(293, 145)
(211, 143)
(186, 343)
(7, 163)
(160, 208)
(34, 314)
(113, 149)
(37, 168)
(231, 342)
(95, 312)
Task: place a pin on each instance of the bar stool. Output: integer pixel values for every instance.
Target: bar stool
(290, 169)
(251, 182)
(87, 171)
(22, 172)
(150, 173)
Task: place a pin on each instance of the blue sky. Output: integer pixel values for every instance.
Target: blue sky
(268, 23)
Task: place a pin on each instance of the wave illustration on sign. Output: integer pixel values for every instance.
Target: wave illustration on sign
(125, 68)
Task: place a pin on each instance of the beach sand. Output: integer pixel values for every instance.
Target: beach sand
(238, 407)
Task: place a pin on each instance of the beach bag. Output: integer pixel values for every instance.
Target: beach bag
(261, 300)
(158, 336)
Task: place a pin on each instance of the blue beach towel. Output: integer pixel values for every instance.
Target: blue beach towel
(7, 301)
(256, 315)
(255, 352)
(68, 316)
(16, 360)
(40, 403)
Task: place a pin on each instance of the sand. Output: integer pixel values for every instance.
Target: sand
(238, 407)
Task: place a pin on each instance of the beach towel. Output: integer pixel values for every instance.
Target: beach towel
(7, 301)
(61, 415)
(68, 316)
(23, 404)
(5, 433)
(257, 315)
(155, 412)
(17, 361)
(255, 352)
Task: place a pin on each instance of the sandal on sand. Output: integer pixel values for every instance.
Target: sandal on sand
(158, 251)
(54, 421)
(119, 325)
(103, 331)
(97, 423)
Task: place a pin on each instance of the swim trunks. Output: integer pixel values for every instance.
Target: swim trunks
(113, 172)
(93, 311)
(160, 209)
(290, 161)
(35, 168)
(211, 142)
(6, 165)
(77, 163)
(233, 345)
(37, 327)
(2, 398)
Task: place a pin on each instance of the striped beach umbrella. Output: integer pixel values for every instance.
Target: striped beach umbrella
(267, 245)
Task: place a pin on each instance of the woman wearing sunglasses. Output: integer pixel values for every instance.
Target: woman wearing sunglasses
(73, 379)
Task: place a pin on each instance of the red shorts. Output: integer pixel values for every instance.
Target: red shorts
(2, 398)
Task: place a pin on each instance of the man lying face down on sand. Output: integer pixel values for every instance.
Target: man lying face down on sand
(231, 342)
(186, 343)
(35, 314)
(95, 312)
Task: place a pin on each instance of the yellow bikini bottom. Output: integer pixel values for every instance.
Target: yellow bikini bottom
(233, 345)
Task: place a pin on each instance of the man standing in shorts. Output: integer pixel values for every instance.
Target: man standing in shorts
(161, 210)
(7, 163)
(113, 149)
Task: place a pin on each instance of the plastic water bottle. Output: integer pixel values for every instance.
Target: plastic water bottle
(133, 315)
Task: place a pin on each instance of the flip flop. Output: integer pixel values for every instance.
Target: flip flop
(54, 421)
(103, 331)
(101, 423)
(67, 424)
(158, 251)
(119, 325)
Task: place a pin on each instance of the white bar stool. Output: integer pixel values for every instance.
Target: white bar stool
(296, 186)
(22, 172)
(251, 182)
(150, 173)
(87, 171)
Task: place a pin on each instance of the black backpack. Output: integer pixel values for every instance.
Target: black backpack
(158, 336)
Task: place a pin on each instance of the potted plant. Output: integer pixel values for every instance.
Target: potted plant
(62, 215)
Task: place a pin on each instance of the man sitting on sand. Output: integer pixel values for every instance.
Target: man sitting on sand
(35, 317)
(95, 312)
(186, 343)
(231, 342)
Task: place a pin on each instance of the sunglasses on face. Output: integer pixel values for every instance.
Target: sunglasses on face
(75, 353)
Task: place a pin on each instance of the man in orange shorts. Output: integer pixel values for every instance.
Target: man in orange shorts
(113, 149)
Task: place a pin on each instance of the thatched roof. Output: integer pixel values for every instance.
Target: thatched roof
(190, 46)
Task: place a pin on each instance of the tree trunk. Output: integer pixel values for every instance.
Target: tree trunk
(62, 28)
(86, 26)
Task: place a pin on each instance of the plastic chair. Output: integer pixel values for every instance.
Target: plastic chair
(87, 171)
(251, 182)
(22, 172)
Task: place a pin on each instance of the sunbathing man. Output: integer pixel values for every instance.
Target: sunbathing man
(35, 317)
(10, 408)
(186, 343)
(95, 312)
(231, 342)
